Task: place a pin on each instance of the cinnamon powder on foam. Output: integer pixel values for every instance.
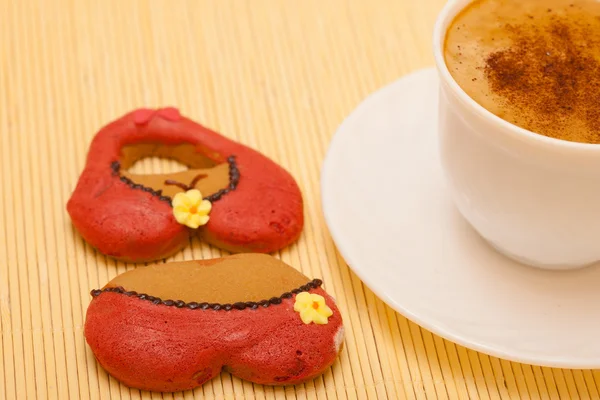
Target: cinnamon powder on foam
(547, 79)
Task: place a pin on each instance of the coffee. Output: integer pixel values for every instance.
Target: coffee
(533, 63)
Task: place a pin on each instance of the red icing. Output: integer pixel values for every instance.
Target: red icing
(264, 213)
(142, 116)
(160, 348)
(169, 113)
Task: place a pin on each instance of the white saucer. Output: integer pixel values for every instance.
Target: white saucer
(389, 213)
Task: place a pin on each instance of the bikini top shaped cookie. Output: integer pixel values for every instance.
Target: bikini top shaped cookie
(231, 196)
(175, 326)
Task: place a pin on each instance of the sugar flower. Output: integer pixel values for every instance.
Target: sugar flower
(190, 209)
(312, 308)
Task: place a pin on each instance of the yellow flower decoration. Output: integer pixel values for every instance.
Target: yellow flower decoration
(312, 308)
(189, 209)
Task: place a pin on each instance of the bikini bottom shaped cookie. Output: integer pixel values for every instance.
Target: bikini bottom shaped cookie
(174, 326)
(231, 196)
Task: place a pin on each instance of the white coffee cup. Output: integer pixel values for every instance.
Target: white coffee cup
(535, 199)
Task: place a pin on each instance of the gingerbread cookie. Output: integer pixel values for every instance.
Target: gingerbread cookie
(231, 196)
(174, 326)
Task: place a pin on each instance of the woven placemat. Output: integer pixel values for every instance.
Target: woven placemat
(277, 75)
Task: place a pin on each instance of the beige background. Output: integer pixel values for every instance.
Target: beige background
(279, 75)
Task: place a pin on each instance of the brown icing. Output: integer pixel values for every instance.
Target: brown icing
(213, 177)
(228, 280)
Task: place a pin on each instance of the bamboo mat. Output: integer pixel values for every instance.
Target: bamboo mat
(278, 75)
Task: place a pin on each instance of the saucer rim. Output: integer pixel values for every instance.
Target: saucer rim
(337, 237)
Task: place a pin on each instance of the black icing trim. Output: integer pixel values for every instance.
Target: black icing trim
(315, 283)
(234, 179)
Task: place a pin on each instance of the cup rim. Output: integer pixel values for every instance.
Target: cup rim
(450, 10)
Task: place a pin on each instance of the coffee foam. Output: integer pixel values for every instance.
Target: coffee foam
(534, 64)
